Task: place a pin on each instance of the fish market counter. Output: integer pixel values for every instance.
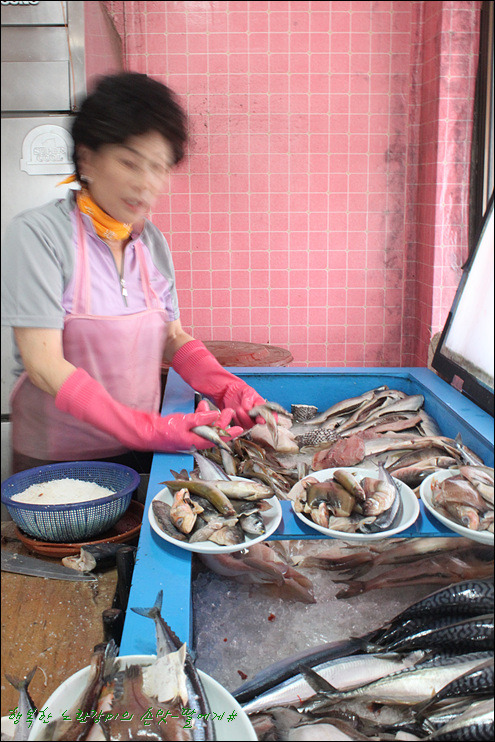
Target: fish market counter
(163, 566)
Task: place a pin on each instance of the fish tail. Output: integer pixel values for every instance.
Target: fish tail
(154, 611)
(21, 683)
(111, 652)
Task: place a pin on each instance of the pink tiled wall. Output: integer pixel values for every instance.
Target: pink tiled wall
(441, 128)
(103, 44)
(322, 206)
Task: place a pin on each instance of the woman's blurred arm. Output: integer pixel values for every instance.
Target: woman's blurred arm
(43, 357)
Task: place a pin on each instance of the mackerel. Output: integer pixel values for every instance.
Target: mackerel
(288, 667)
(476, 723)
(166, 642)
(476, 681)
(26, 706)
(344, 673)
(406, 687)
(471, 634)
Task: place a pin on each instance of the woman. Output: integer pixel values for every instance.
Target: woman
(89, 289)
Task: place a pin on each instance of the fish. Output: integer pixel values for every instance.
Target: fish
(276, 407)
(383, 495)
(467, 456)
(406, 687)
(209, 470)
(465, 598)
(129, 699)
(482, 479)
(440, 570)
(302, 412)
(73, 730)
(465, 515)
(354, 449)
(207, 490)
(243, 490)
(261, 565)
(345, 406)
(473, 634)
(391, 514)
(252, 524)
(183, 512)
(25, 707)
(338, 500)
(94, 556)
(264, 412)
(283, 442)
(477, 680)
(228, 463)
(314, 437)
(228, 535)
(210, 434)
(344, 673)
(459, 490)
(350, 483)
(168, 642)
(288, 667)
(476, 723)
(161, 511)
(204, 533)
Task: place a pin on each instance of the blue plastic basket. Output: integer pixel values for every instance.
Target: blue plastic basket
(75, 522)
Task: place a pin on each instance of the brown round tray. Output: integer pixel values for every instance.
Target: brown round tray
(126, 529)
(240, 353)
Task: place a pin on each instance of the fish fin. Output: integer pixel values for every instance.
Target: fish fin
(111, 653)
(419, 708)
(265, 569)
(20, 683)
(151, 612)
(316, 681)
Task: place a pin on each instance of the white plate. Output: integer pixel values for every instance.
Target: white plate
(271, 519)
(410, 506)
(219, 699)
(483, 537)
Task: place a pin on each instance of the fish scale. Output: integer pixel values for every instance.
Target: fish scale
(316, 436)
(473, 597)
(473, 633)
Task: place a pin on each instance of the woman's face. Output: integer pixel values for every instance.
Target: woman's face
(126, 179)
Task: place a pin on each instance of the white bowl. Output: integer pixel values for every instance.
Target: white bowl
(482, 537)
(410, 506)
(219, 699)
(271, 519)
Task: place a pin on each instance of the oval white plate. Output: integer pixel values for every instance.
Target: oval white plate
(482, 537)
(410, 506)
(271, 518)
(219, 699)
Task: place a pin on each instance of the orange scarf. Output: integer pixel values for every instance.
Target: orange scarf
(106, 227)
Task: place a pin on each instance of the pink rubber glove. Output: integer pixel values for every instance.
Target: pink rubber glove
(199, 368)
(86, 399)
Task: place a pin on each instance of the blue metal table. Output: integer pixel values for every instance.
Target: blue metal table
(160, 565)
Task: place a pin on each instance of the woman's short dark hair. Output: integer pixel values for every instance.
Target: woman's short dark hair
(125, 105)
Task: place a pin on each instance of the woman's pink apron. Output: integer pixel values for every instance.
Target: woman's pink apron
(123, 353)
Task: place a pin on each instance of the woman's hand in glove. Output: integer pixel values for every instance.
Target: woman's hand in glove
(87, 400)
(242, 398)
(199, 368)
